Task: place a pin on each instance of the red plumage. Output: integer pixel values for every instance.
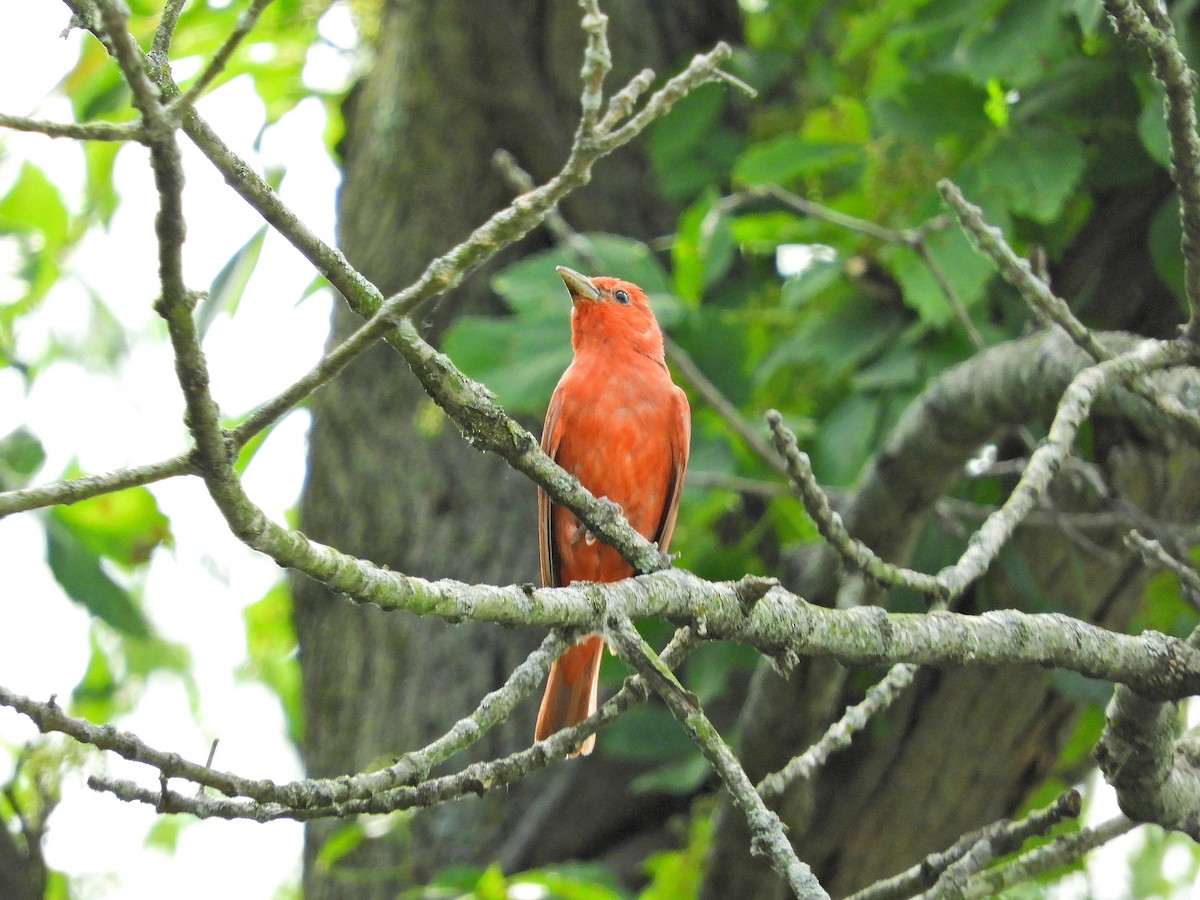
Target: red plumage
(620, 425)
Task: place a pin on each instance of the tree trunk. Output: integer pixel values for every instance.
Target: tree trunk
(391, 480)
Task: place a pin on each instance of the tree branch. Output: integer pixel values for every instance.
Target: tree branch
(768, 836)
(1059, 852)
(990, 241)
(1148, 23)
(80, 131)
(840, 734)
(970, 851)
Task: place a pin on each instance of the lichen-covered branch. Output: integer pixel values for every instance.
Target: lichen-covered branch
(970, 852)
(1046, 304)
(246, 21)
(768, 836)
(839, 735)
(829, 523)
(1059, 852)
(79, 131)
(1154, 768)
(1149, 23)
(1073, 410)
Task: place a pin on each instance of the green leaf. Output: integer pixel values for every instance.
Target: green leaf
(845, 439)
(837, 338)
(101, 200)
(77, 569)
(250, 448)
(564, 881)
(681, 778)
(21, 455)
(125, 525)
(520, 362)
(95, 86)
(689, 149)
(1017, 45)
(1152, 127)
(1035, 169)
(966, 270)
(937, 108)
(647, 733)
(789, 157)
(676, 873)
(344, 839)
(1164, 238)
(491, 884)
(702, 250)
(271, 653)
(813, 282)
(164, 833)
(94, 698)
(229, 285)
(709, 669)
(899, 368)
(34, 204)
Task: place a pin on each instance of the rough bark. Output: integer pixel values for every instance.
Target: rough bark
(391, 480)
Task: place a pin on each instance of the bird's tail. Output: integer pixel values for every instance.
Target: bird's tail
(571, 691)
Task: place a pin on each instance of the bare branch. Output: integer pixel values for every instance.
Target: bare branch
(80, 131)
(1059, 852)
(980, 846)
(1155, 554)
(829, 523)
(1148, 23)
(246, 21)
(72, 490)
(161, 45)
(1017, 272)
(1073, 410)
(839, 735)
(768, 836)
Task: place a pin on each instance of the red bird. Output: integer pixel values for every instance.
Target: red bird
(620, 425)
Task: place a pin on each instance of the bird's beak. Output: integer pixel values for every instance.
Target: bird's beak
(578, 285)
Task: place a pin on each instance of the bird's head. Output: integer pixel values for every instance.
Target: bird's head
(610, 312)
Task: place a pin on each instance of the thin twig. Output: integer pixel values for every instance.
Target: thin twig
(998, 840)
(829, 523)
(1073, 410)
(1154, 554)
(80, 131)
(985, 843)
(72, 490)
(246, 21)
(161, 46)
(1148, 23)
(1059, 852)
(1037, 294)
(839, 735)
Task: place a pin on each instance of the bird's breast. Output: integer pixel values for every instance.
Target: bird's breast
(617, 419)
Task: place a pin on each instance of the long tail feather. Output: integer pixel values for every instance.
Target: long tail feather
(571, 691)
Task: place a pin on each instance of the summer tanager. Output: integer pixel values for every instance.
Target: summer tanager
(620, 425)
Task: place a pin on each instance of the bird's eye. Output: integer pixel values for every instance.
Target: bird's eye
(621, 296)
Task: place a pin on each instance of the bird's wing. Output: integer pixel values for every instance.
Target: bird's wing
(680, 440)
(551, 437)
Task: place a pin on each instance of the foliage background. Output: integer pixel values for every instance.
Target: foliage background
(1034, 108)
